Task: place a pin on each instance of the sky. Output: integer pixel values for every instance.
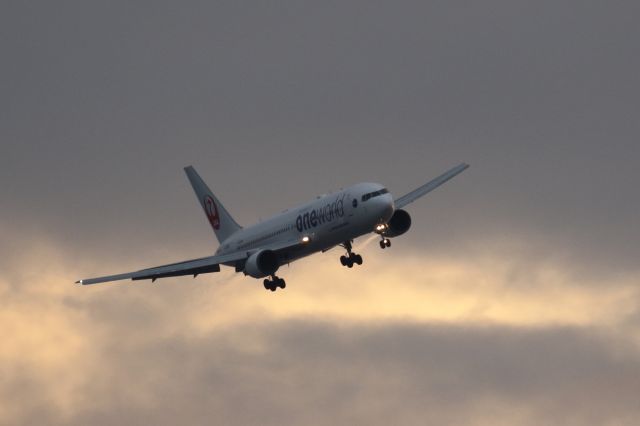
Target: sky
(513, 300)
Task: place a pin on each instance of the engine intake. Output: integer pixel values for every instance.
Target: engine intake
(399, 223)
(261, 264)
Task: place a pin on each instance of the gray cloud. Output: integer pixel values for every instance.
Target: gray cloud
(103, 105)
(309, 372)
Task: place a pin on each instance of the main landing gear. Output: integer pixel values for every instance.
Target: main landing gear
(273, 283)
(351, 258)
(384, 243)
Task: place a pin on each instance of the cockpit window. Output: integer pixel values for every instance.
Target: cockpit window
(365, 197)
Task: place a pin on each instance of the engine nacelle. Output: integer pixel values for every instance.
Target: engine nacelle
(261, 264)
(399, 223)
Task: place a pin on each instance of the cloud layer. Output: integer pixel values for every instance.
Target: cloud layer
(402, 339)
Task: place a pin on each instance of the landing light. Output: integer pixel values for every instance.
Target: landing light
(380, 227)
(305, 239)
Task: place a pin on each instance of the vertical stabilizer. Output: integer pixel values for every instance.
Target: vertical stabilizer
(221, 221)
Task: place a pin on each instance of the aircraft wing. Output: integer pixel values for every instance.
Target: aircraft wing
(429, 186)
(188, 267)
(192, 267)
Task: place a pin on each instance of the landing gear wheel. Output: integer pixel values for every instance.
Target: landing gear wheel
(273, 283)
(351, 258)
(383, 245)
(388, 242)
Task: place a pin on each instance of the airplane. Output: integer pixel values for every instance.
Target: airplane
(328, 221)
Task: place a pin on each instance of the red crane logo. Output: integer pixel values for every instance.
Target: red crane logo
(211, 210)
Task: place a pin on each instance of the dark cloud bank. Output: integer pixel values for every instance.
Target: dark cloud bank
(317, 373)
(103, 104)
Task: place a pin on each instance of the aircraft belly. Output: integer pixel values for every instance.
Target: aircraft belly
(326, 239)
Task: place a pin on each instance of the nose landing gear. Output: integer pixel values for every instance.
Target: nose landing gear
(351, 258)
(384, 243)
(273, 283)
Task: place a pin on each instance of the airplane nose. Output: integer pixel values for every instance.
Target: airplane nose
(383, 207)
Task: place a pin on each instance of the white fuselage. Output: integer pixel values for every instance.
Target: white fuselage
(327, 221)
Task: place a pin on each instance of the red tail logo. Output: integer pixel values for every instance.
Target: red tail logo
(212, 212)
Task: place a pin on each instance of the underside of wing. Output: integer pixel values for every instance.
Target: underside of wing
(429, 186)
(189, 267)
(199, 266)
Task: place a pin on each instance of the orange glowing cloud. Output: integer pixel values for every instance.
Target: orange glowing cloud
(68, 341)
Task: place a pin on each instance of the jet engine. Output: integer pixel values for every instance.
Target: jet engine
(261, 264)
(399, 223)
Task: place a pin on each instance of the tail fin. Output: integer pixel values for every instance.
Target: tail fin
(221, 221)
